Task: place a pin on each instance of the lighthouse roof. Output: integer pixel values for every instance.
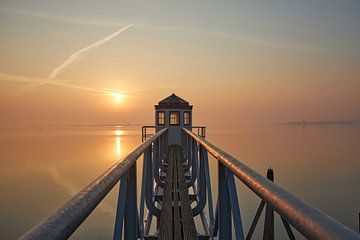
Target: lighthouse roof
(173, 102)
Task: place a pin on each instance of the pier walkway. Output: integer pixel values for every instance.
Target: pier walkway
(176, 220)
(175, 189)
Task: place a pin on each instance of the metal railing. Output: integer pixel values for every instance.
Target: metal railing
(149, 130)
(200, 130)
(63, 222)
(309, 221)
(132, 222)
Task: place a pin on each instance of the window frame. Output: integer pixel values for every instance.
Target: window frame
(158, 118)
(189, 118)
(178, 118)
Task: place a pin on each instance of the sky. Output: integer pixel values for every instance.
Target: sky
(70, 61)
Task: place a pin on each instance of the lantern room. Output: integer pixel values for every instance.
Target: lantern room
(174, 113)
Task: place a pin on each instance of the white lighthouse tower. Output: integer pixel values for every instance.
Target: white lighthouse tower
(174, 113)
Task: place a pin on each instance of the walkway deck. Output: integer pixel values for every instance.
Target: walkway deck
(176, 220)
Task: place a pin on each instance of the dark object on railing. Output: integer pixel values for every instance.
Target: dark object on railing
(308, 220)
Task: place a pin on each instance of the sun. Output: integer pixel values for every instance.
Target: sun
(118, 97)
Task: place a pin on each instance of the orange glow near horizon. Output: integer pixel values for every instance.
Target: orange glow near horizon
(115, 74)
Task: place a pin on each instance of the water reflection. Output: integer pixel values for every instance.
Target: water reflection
(118, 133)
(118, 146)
(313, 163)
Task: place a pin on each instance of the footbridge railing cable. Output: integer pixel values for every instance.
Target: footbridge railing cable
(309, 221)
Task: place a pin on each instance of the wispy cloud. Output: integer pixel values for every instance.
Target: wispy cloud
(41, 81)
(100, 90)
(259, 41)
(76, 56)
(72, 59)
(71, 20)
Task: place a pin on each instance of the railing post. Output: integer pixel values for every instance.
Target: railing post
(149, 189)
(142, 193)
(209, 191)
(157, 165)
(194, 154)
(131, 215)
(269, 213)
(201, 187)
(239, 231)
(120, 208)
(224, 210)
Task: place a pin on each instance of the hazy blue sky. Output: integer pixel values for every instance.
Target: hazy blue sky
(235, 61)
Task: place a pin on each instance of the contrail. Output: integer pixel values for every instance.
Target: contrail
(78, 54)
(14, 78)
(102, 91)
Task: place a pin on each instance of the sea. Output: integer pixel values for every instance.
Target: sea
(42, 167)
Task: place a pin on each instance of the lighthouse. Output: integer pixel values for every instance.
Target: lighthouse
(173, 113)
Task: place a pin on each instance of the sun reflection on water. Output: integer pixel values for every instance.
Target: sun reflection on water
(118, 146)
(117, 134)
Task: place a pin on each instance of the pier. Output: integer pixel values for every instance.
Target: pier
(175, 188)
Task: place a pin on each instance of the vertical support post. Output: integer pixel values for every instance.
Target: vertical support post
(269, 213)
(224, 210)
(131, 215)
(142, 134)
(288, 229)
(142, 193)
(239, 232)
(196, 161)
(120, 209)
(190, 148)
(149, 189)
(157, 165)
(201, 184)
(256, 219)
(209, 191)
(194, 154)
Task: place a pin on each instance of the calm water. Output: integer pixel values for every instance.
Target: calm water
(42, 167)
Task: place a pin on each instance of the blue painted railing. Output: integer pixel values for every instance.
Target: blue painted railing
(309, 221)
(63, 222)
(134, 220)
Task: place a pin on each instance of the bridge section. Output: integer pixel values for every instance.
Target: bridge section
(168, 172)
(176, 220)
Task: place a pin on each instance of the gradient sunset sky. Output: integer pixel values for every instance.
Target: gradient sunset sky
(64, 62)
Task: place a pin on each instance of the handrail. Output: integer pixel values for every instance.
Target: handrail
(309, 221)
(63, 222)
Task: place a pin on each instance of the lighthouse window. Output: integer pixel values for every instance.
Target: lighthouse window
(161, 118)
(174, 118)
(186, 118)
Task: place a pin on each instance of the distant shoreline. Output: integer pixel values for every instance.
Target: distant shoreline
(324, 122)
